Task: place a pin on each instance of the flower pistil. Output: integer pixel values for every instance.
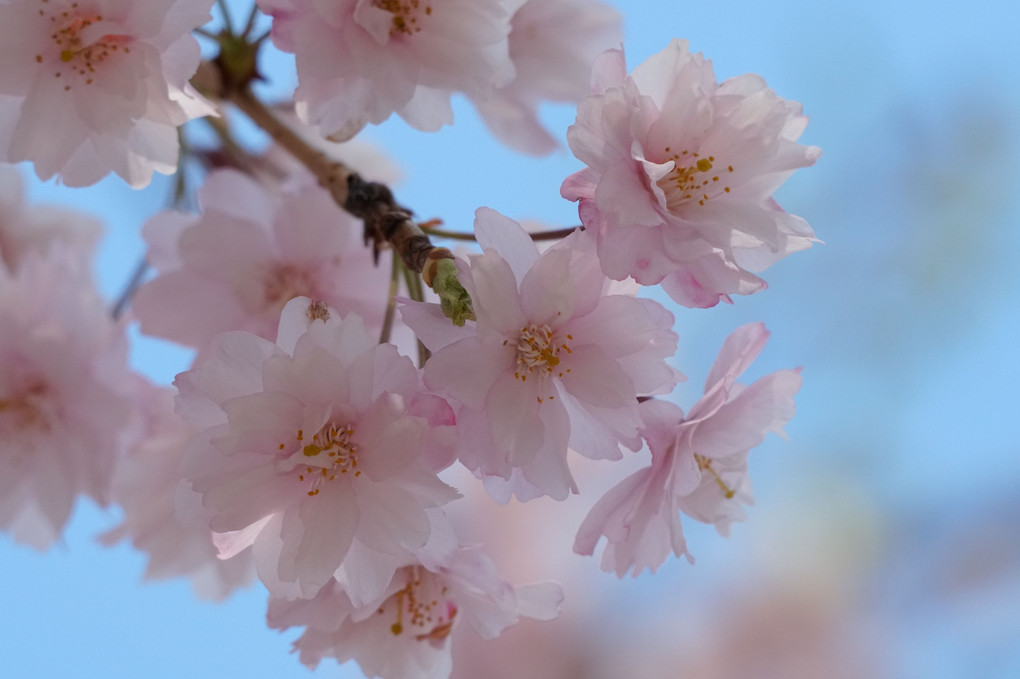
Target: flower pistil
(329, 453)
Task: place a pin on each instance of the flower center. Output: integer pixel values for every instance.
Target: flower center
(705, 465)
(77, 54)
(422, 608)
(538, 351)
(330, 453)
(693, 178)
(25, 410)
(285, 282)
(405, 15)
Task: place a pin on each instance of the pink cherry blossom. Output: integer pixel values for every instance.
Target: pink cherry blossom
(251, 251)
(553, 44)
(681, 172)
(149, 488)
(36, 228)
(314, 448)
(359, 61)
(552, 361)
(699, 462)
(405, 632)
(98, 86)
(66, 395)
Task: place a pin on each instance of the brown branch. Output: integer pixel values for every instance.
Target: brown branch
(462, 235)
(387, 223)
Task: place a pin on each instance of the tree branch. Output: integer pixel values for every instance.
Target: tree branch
(387, 223)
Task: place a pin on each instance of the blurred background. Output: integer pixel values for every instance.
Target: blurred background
(885, 541)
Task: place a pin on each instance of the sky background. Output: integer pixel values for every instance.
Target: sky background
(884, 542)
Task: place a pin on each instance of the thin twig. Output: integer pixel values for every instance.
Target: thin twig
(232, 153)
(129, 290)
(225, 11)
(206, 34)
(177, 199)
(556, 234)
(461, 235)
(250, 23)
(443, 233)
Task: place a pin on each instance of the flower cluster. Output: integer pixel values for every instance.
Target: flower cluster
(681, 172)
(304, 445)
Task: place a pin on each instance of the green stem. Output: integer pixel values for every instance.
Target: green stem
(391, 303)
(415, 291)
(206, 34)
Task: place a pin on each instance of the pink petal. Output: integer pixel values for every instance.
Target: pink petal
(505, 236)
(740, 424)
(468, 368)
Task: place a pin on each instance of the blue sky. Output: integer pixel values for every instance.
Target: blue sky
(903, 460)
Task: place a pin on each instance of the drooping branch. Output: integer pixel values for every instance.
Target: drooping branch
(387, 223)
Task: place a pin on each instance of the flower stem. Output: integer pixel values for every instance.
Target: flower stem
(250, 23)
(415, 292)
(137, 276)
(225, 11)
(178, 199)
(391, 302)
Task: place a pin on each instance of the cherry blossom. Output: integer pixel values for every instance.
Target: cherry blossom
(158, 514)
(359, 61)
(305, 447)
(681, 172)
(251, 251)
(314, 447)
(551, 361)
(553, 44)
(405, 632)
(98, 86)
(26, 229)
(66, 395)
(699, 462)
